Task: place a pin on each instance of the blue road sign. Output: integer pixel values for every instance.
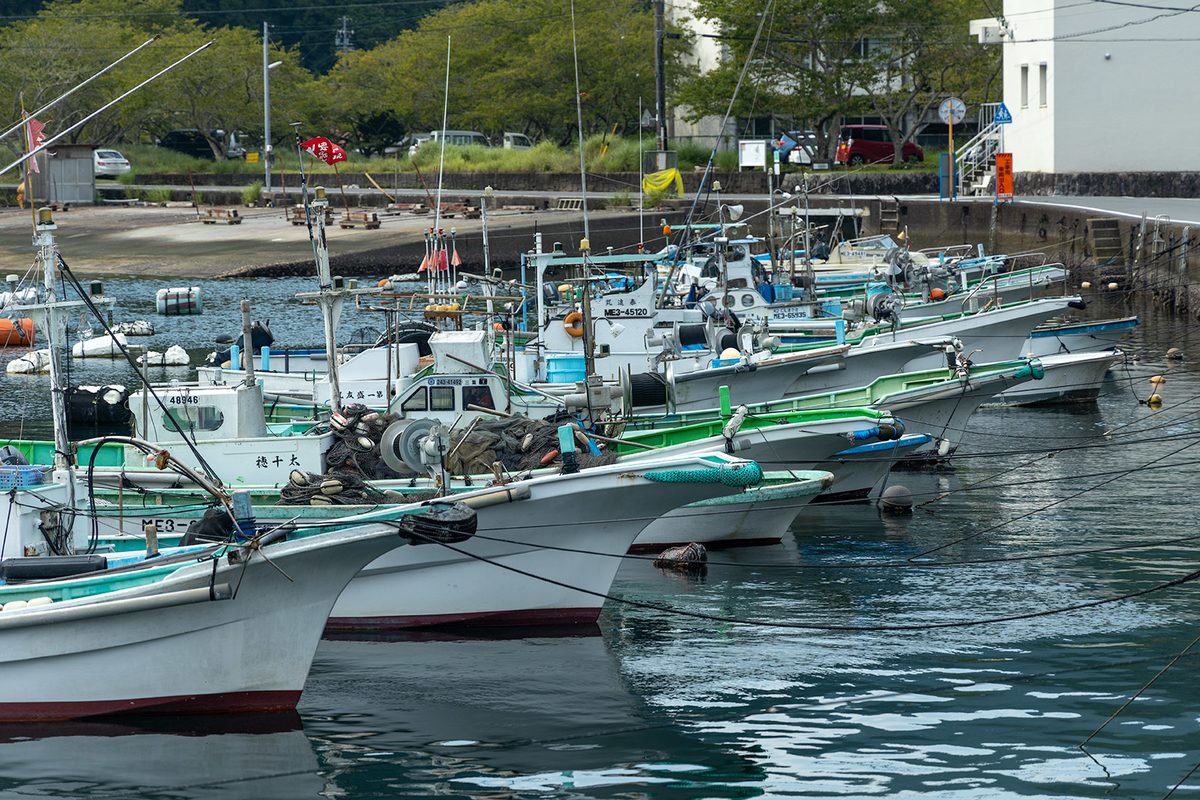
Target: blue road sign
(1003, 115)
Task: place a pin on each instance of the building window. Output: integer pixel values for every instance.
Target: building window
(1024, 86)
(1042, 85)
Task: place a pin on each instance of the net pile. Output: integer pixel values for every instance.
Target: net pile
(517, 443)
(352, 459)
(357, 431)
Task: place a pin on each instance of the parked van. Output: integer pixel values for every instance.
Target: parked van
(872, 144)
(517, 141)
(460, 138)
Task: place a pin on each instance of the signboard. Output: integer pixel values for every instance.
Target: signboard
(952, 111)
(251, 158)
(752, 153)
(1004, 176)
(1003, 116)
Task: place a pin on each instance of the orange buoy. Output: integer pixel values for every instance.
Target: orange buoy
(937, 294)
(16, 333)
(546, 459)
(570, 324)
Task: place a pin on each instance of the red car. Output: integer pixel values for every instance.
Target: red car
(872, 144)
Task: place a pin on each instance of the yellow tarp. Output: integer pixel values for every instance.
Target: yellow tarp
(662, 181)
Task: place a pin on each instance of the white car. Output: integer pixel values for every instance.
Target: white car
(108, 163)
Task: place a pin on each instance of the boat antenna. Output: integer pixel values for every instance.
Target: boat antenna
(437, 213)
(102, 108)
(579, 118)
(79, 86)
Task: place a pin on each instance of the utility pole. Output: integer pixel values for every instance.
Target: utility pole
(341, 40)
(267, 150)
(660, 82)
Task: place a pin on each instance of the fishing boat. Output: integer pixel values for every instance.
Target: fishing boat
(212, 629)
(760, 515)
(1069, 378)
(229, 626)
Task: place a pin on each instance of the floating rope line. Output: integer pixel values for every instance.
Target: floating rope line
(1059, 501)
(1191, 576)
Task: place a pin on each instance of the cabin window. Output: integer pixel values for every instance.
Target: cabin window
(193, 418)
(416, 401)
(1024, 86)
(478, 396)
(1042, 85)
(441, 398)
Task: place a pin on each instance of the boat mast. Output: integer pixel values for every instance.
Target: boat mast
(330, 299)
(43, 239)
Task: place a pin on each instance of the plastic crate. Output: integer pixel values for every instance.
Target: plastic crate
(27, 475)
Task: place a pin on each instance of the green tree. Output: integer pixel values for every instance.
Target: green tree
(921, 55)
(804, 74)
(512, 67)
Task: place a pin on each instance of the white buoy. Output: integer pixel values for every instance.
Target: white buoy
(175, 356)
(99, 347)
(30, 363)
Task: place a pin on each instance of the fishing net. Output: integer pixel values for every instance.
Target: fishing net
(517, 443)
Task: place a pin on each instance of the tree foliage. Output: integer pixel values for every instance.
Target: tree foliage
(512, 67)
(819, 61)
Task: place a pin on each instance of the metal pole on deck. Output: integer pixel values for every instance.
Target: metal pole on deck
(44, 240)
(247, 344)
(330, 299)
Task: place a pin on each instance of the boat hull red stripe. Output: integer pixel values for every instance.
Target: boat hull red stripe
(224, 703)
(492, 619)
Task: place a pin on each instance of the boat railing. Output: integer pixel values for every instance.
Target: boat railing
(993, 283)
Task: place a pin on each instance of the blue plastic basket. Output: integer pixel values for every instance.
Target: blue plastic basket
(27, 475)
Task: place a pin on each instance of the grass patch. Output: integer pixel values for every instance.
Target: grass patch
(251, 193)
(622, 154)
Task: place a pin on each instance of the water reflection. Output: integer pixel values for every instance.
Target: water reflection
(260, 756)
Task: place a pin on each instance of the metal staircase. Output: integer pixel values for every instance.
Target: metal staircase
(975, 161)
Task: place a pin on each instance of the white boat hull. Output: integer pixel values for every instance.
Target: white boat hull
(755, 517)
(1070, 378)
(999, 334)
(167, 648)
(571, 531)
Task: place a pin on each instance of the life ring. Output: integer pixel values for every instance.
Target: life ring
(570, 323)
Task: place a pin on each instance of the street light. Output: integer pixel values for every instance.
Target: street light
(267, 149)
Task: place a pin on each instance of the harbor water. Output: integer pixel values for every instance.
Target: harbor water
(1040, 598)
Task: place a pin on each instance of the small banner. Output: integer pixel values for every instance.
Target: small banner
(662, 181)
(1004, 176)
(324, 149)
(36, 137)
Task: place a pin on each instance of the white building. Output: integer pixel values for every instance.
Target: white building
(705, 56)
(1098, 86)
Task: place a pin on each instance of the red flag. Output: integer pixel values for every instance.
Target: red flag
(36, 137)
(424, 263)
(456, 261)
(325, 150)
